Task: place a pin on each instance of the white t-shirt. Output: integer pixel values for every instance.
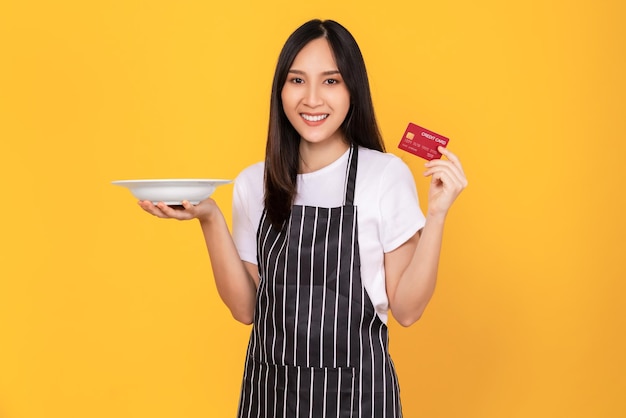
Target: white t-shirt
(388, 211)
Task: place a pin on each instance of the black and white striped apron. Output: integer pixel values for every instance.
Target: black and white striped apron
(317, 347)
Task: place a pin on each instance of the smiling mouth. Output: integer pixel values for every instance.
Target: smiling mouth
(313, 118)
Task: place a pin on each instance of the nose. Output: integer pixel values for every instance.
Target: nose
(313, 96)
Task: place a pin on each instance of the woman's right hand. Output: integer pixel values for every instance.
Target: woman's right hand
(203, 210)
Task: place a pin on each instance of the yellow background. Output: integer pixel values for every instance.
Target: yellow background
(106, 311)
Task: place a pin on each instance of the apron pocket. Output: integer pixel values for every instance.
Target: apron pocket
(327, 392)
(296, 392)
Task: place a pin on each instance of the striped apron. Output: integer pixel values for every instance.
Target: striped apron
(317, 347)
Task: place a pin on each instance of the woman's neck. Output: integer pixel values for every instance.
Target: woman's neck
(315, 156)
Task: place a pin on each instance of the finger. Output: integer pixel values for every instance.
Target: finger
(448, 179)
(445, 151)
(445, 166)
(451, 157)
(169, 212)
(187, 205)
(189, 208)
(152, 209)
(145, 204)
(149, 207)
(455, 166)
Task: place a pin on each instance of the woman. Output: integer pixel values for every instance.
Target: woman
(328, 236)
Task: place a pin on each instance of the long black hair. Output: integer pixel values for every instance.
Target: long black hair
(359, 126)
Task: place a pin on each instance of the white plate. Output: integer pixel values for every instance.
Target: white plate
(172, 191)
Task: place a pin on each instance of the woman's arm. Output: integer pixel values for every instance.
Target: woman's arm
(411, 269)
(236, 281)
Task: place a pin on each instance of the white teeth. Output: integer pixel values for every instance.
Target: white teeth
(313, 118)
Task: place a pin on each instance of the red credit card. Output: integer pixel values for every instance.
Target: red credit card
(422, 142)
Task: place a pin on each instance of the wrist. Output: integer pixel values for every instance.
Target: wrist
(208, 219)
(436, 217)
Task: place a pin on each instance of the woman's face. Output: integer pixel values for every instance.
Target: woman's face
(315, 98)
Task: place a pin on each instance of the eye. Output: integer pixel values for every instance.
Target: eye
(331, 81)
(296, 80)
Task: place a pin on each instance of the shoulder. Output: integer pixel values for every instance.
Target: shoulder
(385, 182)
(382, 166)
(252, 170)
(251, 175)
(249, 182)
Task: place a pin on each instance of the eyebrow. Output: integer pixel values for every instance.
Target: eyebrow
(329, 72)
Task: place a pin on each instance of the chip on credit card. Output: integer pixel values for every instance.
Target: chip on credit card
(422, 142)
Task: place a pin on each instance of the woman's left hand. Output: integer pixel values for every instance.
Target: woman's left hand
(447, 182)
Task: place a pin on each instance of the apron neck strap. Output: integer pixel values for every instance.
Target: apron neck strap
(351, 174)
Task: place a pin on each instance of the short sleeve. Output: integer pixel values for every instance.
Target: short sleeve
(247, 208)
(401, 215)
